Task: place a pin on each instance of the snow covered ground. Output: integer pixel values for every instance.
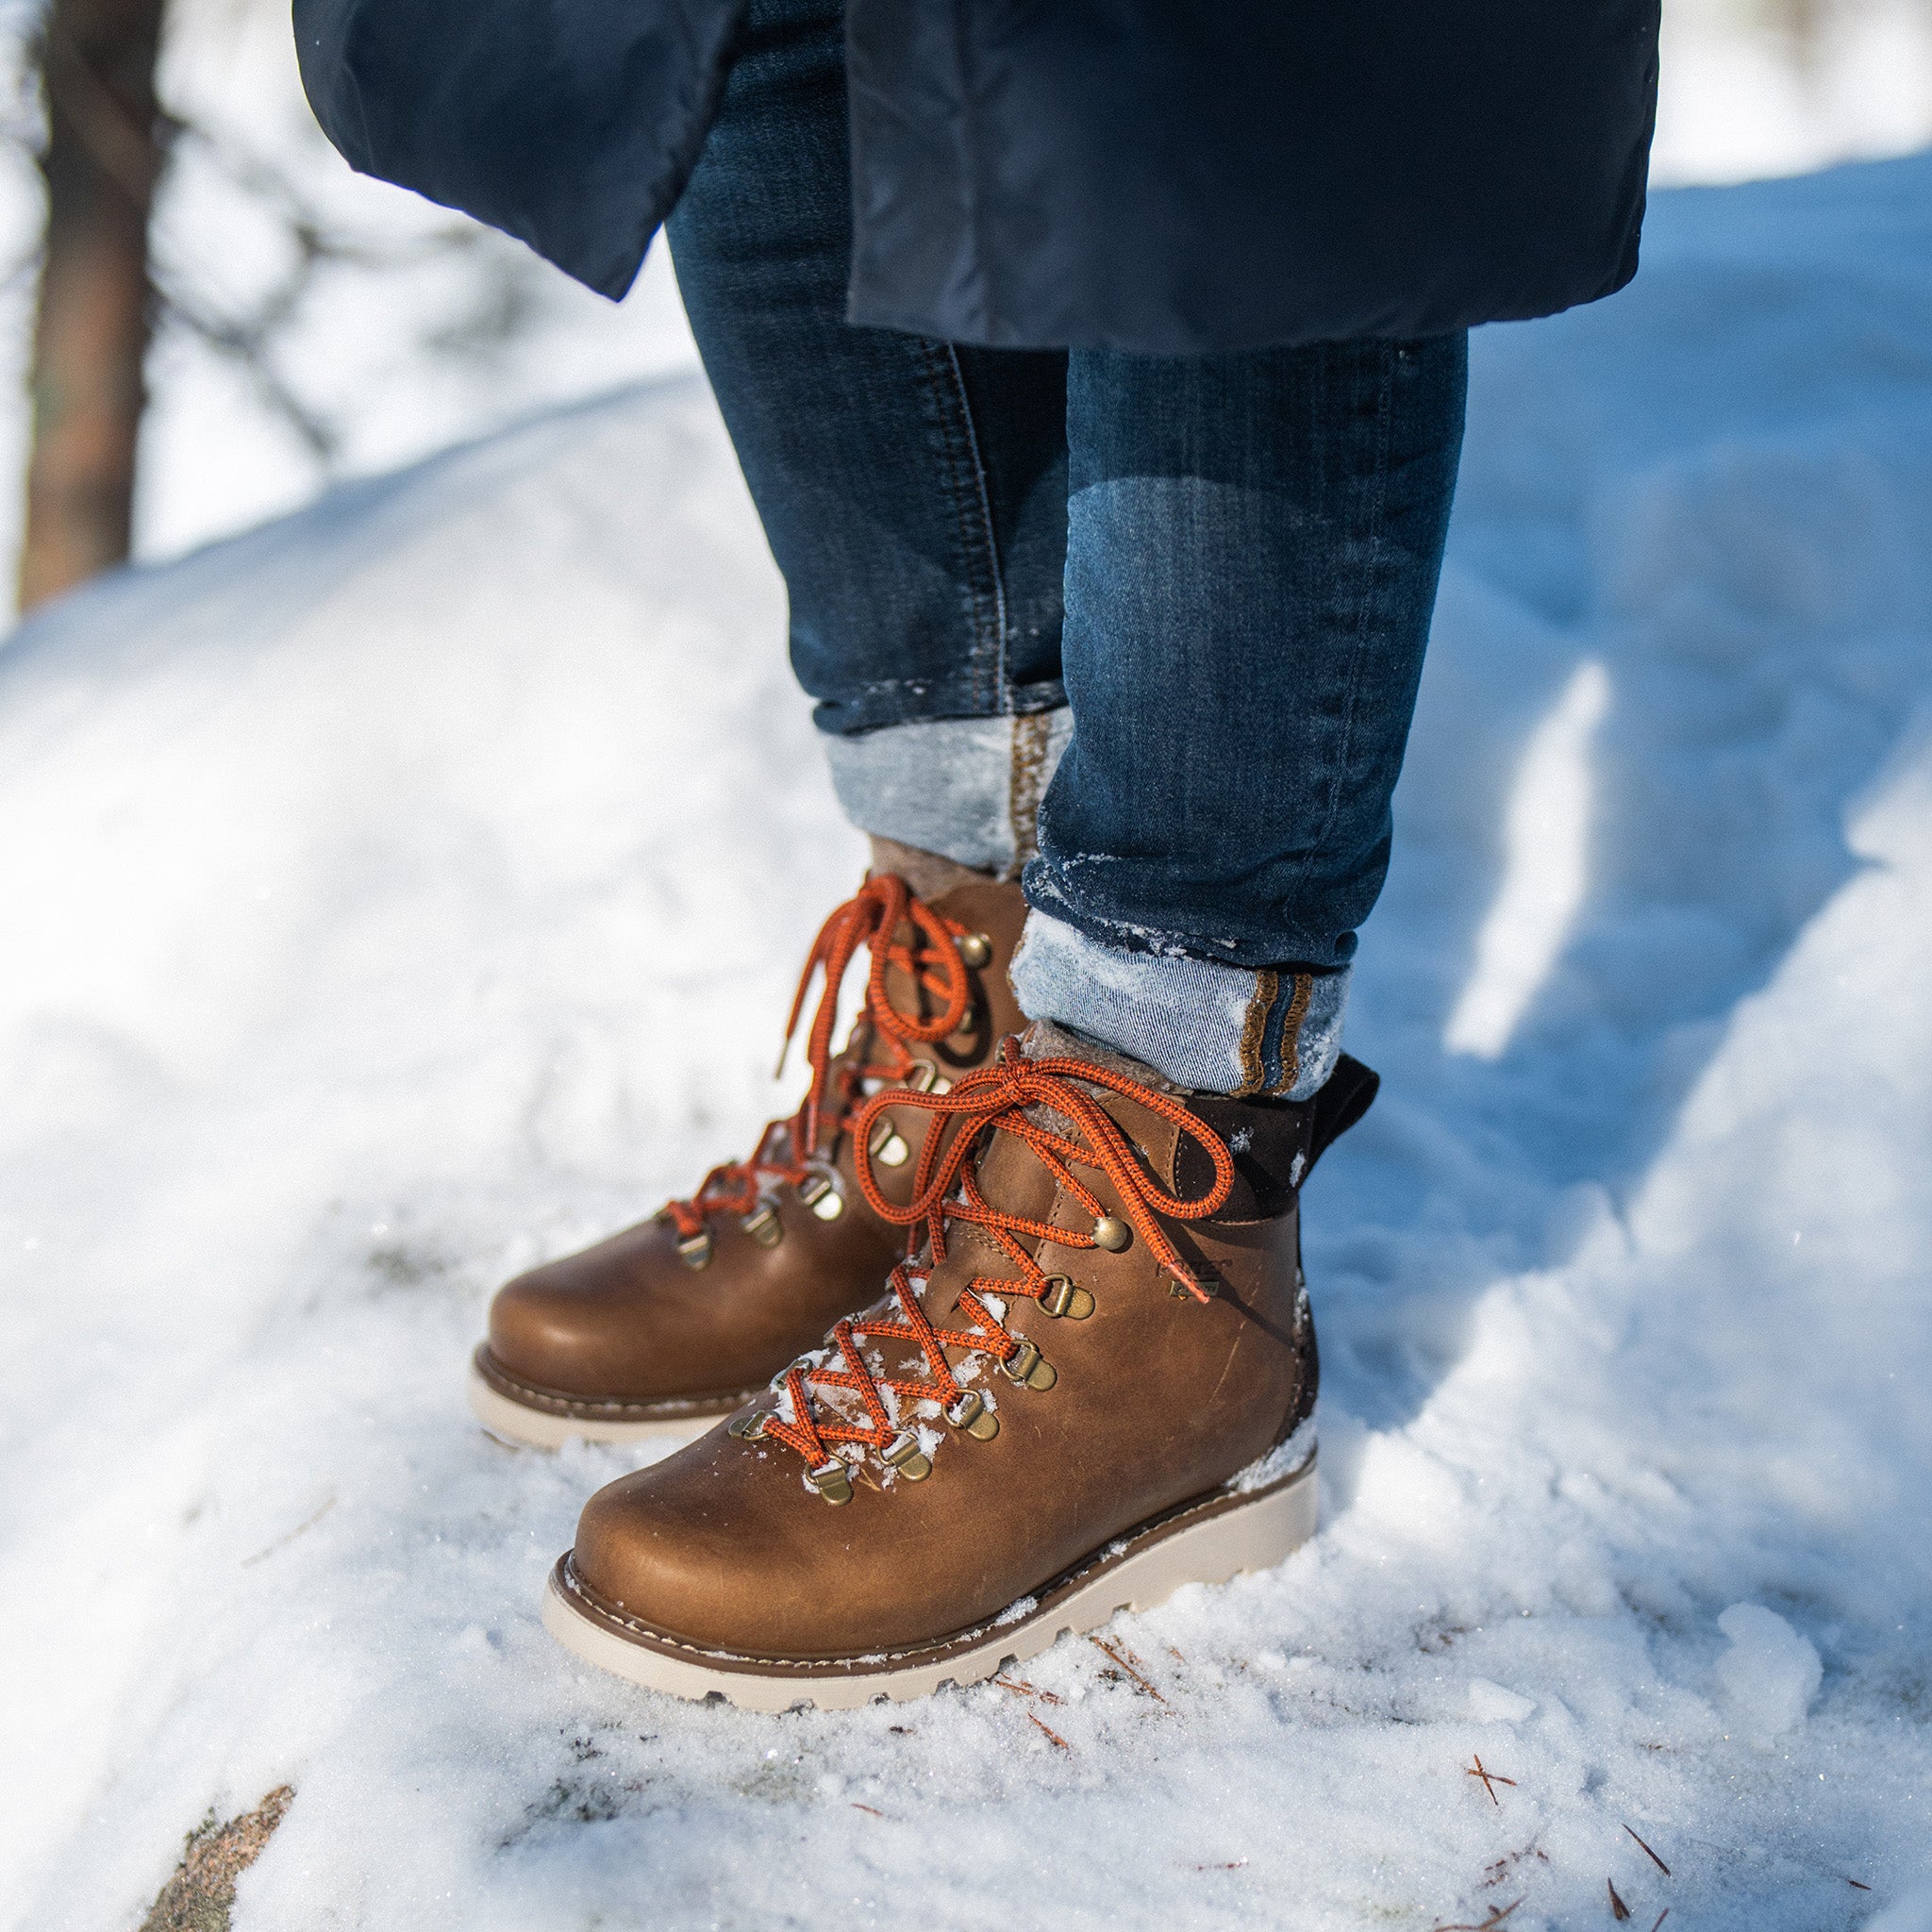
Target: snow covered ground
(375, 886)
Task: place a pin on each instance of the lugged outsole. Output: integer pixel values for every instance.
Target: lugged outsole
(1224, 1538)
(524, 1428)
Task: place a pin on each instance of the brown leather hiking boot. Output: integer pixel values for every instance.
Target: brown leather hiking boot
(1095, 1384)
(680, 1318)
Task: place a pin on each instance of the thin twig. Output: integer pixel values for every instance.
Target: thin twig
(1052, 1734)
(1020, 1688)
(858, 1807)
(281, 1542)
(1100, 1643)
(1618, 1909)
(1661, 1918)
(245, 344)
(1490, 1780)
(1494, 1919)
(1495, 1874)
(1650, 1855)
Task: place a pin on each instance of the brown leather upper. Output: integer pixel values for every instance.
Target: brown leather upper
(628, 1321)
(1158, 1399)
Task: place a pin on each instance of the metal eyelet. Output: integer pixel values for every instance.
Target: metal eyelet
(888, 1146)
(748, 1429)
(694, 1250)
(831, 1479)
(764, 1225)
(1112, 1233)
(927, 1078)
(904, 1454)
(1062, 1297)
(820, 1193)
(1030, 1368)
(971, 1414)
(975, 948)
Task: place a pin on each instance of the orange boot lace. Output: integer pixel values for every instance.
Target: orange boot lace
(997, 1099)
(792, 1150)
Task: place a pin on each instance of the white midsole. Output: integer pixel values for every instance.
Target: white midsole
(534, 1428)
(1250, 1535)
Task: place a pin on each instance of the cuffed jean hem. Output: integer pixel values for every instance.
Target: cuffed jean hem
(968, 789)
(1220, 1029)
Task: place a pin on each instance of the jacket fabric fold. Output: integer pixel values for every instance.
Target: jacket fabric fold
(1150, 176)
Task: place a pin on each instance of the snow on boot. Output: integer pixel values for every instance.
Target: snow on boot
(677, 1320)
(1095, 1384)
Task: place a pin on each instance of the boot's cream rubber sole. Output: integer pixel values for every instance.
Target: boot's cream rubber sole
(533, 1418)
(1208, 1540)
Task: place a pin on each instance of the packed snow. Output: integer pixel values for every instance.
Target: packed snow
(1769, 1675)
(412, 889)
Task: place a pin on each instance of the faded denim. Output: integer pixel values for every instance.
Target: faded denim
(1254, 542)
(969, 787)
(913, 494)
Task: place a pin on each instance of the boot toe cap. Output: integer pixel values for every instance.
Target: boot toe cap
(711, 1555)
(617, 1320)
(724, 1547)
(542, 1332)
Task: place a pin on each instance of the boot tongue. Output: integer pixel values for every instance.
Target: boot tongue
(1048, 1039)
(928, 874)
(1011, 1175)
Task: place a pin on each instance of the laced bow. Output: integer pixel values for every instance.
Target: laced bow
(871, 919)
(997, 1099)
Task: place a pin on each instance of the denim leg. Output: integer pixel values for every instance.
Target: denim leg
(913, 494)
(1254, 542)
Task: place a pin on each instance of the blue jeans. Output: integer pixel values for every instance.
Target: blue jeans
(1149, 626)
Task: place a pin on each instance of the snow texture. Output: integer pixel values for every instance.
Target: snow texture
(1912, 1913)
(1491, 1703)
(1769, 1675)
(1284, 1459)
(412, 889)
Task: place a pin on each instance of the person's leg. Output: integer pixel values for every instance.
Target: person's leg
(1254, 546)
(914, 493)
(1097, 1381)
(915, 499)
